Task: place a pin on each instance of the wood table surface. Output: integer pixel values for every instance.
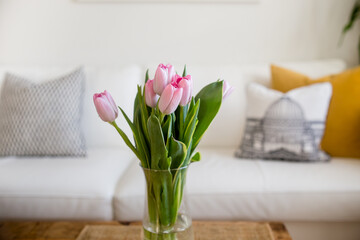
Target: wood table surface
(56, 230)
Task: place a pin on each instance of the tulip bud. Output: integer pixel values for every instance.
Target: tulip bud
(151, 97)
(170, 99)
(105, 106)
(227, 89)
(163, 76)
(186, 84)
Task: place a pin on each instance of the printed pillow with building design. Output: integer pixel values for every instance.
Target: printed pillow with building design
(285, 126)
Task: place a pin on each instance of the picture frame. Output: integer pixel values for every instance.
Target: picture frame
(167, 1)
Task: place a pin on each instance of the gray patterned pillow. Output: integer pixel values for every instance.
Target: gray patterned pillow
(42, 119)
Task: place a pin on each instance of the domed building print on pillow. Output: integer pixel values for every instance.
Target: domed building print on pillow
(285, 126)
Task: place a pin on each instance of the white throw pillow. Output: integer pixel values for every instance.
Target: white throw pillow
(285, 126)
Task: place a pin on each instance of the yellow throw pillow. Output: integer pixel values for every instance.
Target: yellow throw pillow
(342, 131)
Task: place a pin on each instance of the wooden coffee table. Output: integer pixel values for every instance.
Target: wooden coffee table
(72, 230)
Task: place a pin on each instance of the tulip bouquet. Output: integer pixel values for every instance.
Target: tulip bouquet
(167, 125)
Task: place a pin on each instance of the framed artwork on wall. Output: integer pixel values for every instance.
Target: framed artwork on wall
(168, 1)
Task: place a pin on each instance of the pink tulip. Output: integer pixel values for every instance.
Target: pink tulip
(186, 84)
(105, 106)
(227, 89)
(170, 99)
(163, 76)
(151, 97)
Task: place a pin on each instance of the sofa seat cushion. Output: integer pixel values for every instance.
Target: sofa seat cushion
(223, 187)
(61, 188)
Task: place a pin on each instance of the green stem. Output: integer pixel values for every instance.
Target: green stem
(159, 236)
(126, 139)
(164, 199)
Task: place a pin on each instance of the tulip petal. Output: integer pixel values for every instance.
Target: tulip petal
(166, 97)
(186, 86)
(171, 73)
(160, 79)
(229, 91)
(96, 95)
(150, 96)
(112, 102)
(174, 101)
(226, 86)
(104, 109)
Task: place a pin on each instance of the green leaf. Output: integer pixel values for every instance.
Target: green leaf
(166, 199)
(144, 112)
(178, 187)
(190, 123)
(355, 14)
(210, 97)
(174, 121)
(177, 151)
(181, 113)
(136, 105)
(152, 207)
(131, 125)
(184, 72)
(147, 76)
(126, 140)
(159, 159)
(192, 103)
(359, 50)
(139, 138)
(165, 191)
(196, 157)
(160, 197)
(143, 144)
(167, 128)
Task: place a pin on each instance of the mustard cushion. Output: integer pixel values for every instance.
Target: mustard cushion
(342, 131)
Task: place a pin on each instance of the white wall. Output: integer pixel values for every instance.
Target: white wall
(63, 32)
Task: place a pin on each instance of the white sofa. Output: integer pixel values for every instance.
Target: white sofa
(316, 201)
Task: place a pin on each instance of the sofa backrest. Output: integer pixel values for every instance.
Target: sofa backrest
(227, 128)
(121, 82)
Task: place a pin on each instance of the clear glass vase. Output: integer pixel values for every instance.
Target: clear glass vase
(166, 216)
